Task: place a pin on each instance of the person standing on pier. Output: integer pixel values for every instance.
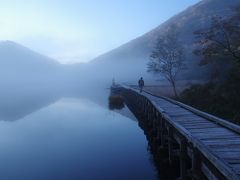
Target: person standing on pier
(141, 84)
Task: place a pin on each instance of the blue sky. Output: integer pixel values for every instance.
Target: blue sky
(79, 30)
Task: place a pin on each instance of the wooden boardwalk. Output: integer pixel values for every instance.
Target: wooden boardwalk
(210, 144)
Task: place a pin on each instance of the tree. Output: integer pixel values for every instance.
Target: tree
(219, 44)
(167, 58)
(221, 40)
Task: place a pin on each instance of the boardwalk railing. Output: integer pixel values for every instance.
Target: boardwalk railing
(206, 146)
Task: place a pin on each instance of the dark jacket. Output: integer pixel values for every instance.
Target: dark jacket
(140, 83)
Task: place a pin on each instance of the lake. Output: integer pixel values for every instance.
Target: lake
(70, 138)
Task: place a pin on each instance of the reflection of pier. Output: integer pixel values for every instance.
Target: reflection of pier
(115, 100)
(204, 146)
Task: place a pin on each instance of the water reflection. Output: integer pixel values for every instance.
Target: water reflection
(159, 157)
(115, 102)
(14, 106)
(69, 138)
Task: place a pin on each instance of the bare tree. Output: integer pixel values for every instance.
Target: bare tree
(167, 58)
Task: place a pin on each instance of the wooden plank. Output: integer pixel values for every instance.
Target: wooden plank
(206, 126)
(189, 122)
(225, 146)
(215, 139)
(192, 123)
(178, 114)
(227, 154)
(203, 136)
(190, 118)
(163, 104)
(235, 160)
(177, 111)
(225, 141)
(196, 126)
(185, 123)
(163, 101)
(220, 132)
(236, 167)
(200, 126)
(226, 149)
(168, 106)
(209, 131)
(176, 108)
(222, 146)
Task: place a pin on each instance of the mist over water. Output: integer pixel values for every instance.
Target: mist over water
(69, 134)
(56, 120)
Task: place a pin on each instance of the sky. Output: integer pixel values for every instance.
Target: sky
(72, 31)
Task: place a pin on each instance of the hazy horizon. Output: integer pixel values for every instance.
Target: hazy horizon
(79, 31)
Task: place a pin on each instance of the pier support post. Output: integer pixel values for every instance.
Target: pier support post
(183, 159)
(170, 145)
(196, 163)
(162, 132)
(144, 108)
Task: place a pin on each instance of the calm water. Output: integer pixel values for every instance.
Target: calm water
(71, 138)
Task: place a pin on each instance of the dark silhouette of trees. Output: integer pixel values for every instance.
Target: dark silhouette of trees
(167, 58)
(221, 40)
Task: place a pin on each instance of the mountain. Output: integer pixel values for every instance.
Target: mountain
(128, 62)
(17, 61)
(20, 65)
(22, 68)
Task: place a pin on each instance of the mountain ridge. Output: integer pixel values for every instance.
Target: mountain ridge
(132, 57)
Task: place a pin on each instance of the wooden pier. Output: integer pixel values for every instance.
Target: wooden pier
(206, 147)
